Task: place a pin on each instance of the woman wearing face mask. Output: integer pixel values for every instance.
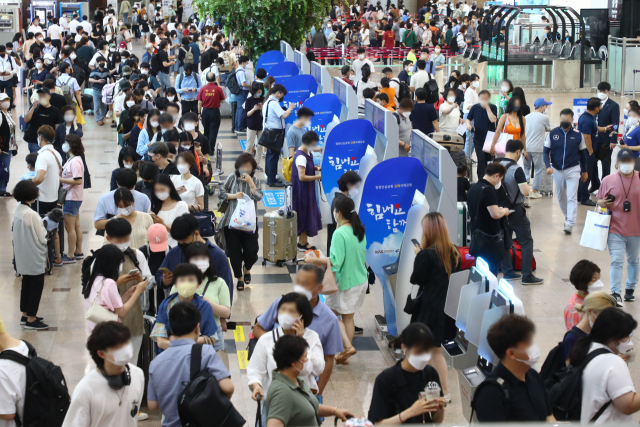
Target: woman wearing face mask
(139, 119)
(39, 74)
(69, 127)
(126, 158)
(594, 304)
(436, 259)
(348, 186)
(455, 75)
(188, 186)
(460, 86)
(585, 277)
(303, 177)
(102, 284)
(449, 112)
(253, 107)
(166, 204)
(438, 58)
(127, 118)
(213, 289)
(8, 146)
(511, 122)
(397, 393)
(241, 247)
(140, 221)
(632, 135)
(148, 133)
(506, 90)
(606, 379)
(144, 27)
(109, 30)
(294, 317)
(97, 34)
(72, 180)
(187, 278)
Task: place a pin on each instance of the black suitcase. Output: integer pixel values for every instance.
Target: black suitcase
(147, 353)
(87, 102)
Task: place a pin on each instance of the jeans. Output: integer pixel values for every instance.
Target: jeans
(538, 166)
(31, 293)
(271, 166)
(219, 345)
(6, 86)
(6, 161)
(164, 80)
(99, 108)
(33, 147)
(583, 188)
(468, 142)
(566, 184)
(241, 114)
(519, 223)
(125, 17)
(211, 123)
(618, 246)
(136, 343)
(234, 108)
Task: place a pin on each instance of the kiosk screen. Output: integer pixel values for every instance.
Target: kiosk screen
(378, 119)
(368, 112)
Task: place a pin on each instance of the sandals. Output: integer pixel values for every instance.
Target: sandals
(341, 358)
(247, 278)
(306, 248)
(240, 285)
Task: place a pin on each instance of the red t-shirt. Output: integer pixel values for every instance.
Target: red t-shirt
(388, 39)
(211, 95)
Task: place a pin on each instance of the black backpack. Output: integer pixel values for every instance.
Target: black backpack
(554, 362)
(565, 395)
(431, 86)
(202, 402)
(232, 83)
(46, 399)
(404, 91)
(453, 45)
(155, 65)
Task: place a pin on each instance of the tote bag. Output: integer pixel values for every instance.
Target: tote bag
(501, 144)
(596, 230)
(98, 313)
(244, 216)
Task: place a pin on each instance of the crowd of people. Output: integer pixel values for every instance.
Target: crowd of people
(157, 260)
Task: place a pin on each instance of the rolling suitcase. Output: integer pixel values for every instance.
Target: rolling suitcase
(450, 141)
(464, 221)
(280, 233)
(147, 353)
(546, 186)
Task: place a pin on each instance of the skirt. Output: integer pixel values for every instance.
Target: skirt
(349, 301)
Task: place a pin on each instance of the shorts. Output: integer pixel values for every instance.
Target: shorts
(144, 33)
(349, 301)
(71, 207)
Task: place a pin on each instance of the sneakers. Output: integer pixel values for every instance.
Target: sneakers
(589, 203)
(37, 325)
(142, 416)
(23, 320)
(78, 256)
(535, 195)
(259, 169)
(628, 295)
(532, 280)
(67, 260)
(241, 132)
(512, 276)
(618, 299)
(567, 229)
(358, 331)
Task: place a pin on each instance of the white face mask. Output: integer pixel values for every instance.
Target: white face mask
(128, 165)
(353, 192)
(592, 322)
(9, 51)
(153, 123)
(121, 356)
(202, 264)
(625, 347)
(361, 56)
(6, 105)
(626, 110)
(475, 84)
(352, 77)
(65, 147)
(162, 196)
(504, 89)
(131, 103)
(38, 65)
(302, 291)
(498, 185)
(125, 211)
(143, 71)
(602, 96)
(534, 355)
(40, 39)
(419, 361)
(451, 99)
(596, 286)
(189, 126)
(286, 321)
(632, 121)
(171, 98)
(123, 247)
(182, 168)
(626, 168)
(407, 114)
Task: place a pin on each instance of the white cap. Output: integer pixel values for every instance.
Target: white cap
(48, 56)
(4, 96)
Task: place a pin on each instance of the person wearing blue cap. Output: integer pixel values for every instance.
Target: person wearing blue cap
(538, 124)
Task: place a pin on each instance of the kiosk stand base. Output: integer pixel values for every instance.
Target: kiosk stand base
(469, 380)
(381, 324)
(383, 330)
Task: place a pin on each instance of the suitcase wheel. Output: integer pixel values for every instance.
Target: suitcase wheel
(264, 263)
(280, 263)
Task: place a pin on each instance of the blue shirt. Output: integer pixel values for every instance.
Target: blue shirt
(220, 261)
(188, 82)
(632, 139)
(570, 338)
(324, 323)
(107, 206)
(143, 142)
(241, 75)
(565, 149)
(169, 372)
(588, 126)
(196, 54)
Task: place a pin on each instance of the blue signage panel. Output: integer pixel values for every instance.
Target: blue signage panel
(284, 71)
(273, 198)
(326, 107)
(299, 88)
(269, 59)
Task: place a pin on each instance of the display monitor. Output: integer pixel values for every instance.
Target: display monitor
(368, 112)
(429, 154)
(379, 119)
(315, 72)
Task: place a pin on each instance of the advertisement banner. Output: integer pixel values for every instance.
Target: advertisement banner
(386, 199)
(269, 59)
(326, 108)
(284, 71)
(345, 146)
(299, 89)
(579, 107)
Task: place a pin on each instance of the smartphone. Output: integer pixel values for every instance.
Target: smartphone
(611, 197)
(165, 270)
(415, 242)
(511, 210)
(134, 271)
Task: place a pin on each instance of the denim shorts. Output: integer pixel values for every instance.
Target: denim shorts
(71, 207)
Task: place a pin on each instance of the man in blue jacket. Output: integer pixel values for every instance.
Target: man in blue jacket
(565, 156)
(608, 117)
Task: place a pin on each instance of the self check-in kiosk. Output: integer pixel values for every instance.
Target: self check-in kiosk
(387, 130)
(501, 301)
(321, 76)
(348, 99)
(81, 8)
(286, 50)
(42, 9)
(301, 62)
(10, 20)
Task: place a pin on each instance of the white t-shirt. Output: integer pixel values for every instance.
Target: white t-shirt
(66, 79)
(419, 78)
(361, 86)
(194, 188)
(180, 208)
(95, 58)
(54, 32)
(35, 29)
(51, 182)
(13, 383)
(449, 122)
(118, 102)
(357, 67)
(365, 38)
(86, 25)
(95, 404)
(606, 378)
(73, 26)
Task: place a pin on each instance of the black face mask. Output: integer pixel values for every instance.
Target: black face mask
(183, 247)
(101, 65)
(118, 382)
(516, 108)
(565, 125)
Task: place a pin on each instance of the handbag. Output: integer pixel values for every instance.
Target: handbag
(62, 192)
(329, 284)
(596, 230)
(501, 144)
(98, 313)
(483, 244)
(272, 139)
(413, 304)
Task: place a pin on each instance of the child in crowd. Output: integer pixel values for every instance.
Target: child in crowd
(391, 92)
(31, 165)
(383, 100)
(463, 183)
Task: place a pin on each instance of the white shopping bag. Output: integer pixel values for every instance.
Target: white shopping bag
(244, 216)
(596, 230)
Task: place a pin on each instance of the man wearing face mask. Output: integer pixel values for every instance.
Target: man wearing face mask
(620, 194)
(607, 118)
(41, 113)
(187, 85)
(565, 156)
(360, 62)
(109, 395)
(325, 323)
(511, 339)
(293, 138)
(100, 77)
(8, 70)
(106, 207)
(159, 152)
(538, 124)
(65, 79)
(588, 125)
(123, 88)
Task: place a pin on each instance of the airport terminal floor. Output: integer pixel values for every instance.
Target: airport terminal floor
(351, 385)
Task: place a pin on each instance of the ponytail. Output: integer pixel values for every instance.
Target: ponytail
(347, 207)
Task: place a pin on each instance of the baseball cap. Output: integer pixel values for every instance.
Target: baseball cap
(134, 77)
(48, 56)
(126, 70)
(157, 236)
(540, 102)
(43, 90)
(4, 96)
(625, 154)
(125, 85)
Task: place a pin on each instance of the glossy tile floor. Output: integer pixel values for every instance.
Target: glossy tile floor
(350, 386)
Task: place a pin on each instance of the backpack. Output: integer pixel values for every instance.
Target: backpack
(108, 92)
(404, 91)
(565, 396)
(46, 399)
(232, 83)
(67, 92)
(431, 86)
(453, 44)
(195, 75)
(202, 402)
(154, 65)
(555, 361)
(228, 64)
(491, 380)
(188, 56)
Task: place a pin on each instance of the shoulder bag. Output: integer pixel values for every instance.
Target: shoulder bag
(272, 139)
(62, 192)
(98, 313)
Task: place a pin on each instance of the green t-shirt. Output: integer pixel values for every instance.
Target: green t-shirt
(292, 404)
(348, 258)
(217, 293)
(502, 105)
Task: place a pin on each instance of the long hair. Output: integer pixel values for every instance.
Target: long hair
(435, 233)
(347, 207)
(156, 204)
(200, 249)
(106, 263)
(150, 131)
(510, 106)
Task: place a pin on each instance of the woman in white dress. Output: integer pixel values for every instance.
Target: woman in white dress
(166, 204)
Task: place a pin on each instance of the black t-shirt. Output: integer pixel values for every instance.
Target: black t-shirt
(171, 169)
(396, 390)
(527, 401)
(254, 122)
(423, 116)
(481, 122)
(463, 187)
(42, 116)
(58, 101)
(36, 45)
(480, 196)
(163, 57)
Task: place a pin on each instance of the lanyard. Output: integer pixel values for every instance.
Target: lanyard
(626, 192)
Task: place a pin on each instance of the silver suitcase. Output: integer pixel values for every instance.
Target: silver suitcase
(546, 186)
